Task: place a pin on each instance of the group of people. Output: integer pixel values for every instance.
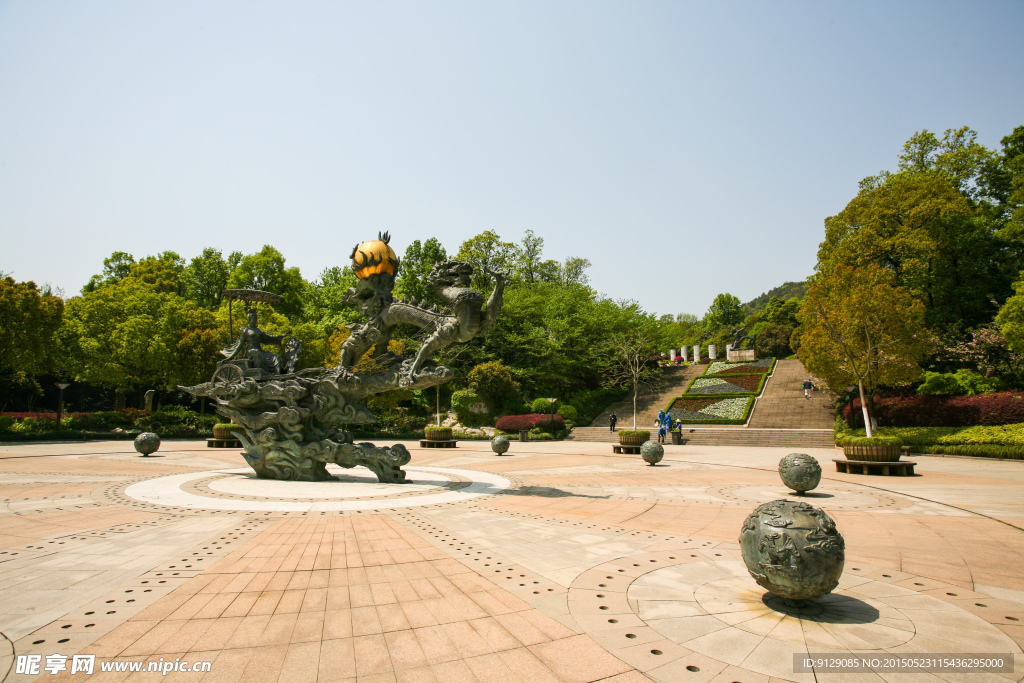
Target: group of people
(665, 425)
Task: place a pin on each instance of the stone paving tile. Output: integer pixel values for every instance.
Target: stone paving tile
(498, 588)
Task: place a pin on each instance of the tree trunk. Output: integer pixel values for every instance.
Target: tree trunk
(864, 408)
(634, 405)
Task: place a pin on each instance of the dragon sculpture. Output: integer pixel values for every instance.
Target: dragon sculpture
(295, 423)
(450, 281)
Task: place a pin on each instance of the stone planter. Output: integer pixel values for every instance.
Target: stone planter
(873, 453)
(224, 433)
(634, 440)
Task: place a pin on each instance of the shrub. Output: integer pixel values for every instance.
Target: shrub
(516, 423)
(549, 423)
(959, 383)
(634, 432)
(541, 405)
(997, 408)
(494, 381)
(877, 440)
(6, 423)
(567, 412)
(461, 400)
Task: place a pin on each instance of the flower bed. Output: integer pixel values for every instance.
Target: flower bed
(711, 410)
(732, 384)
(755, 367)
(998, 408)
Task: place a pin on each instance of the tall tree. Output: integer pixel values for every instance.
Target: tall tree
(725, 310)
(859, 327)
(419, 259)
(266, 270)
(29, 322)
(487, 251)
(205, 278)
(629, 361)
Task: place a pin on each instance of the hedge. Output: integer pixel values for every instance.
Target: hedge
(998, 408)
(517, 423)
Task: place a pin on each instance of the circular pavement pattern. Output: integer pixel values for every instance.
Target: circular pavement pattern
(239, 489)
(670, 613)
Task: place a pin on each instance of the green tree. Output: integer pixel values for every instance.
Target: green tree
(322, 300)
(132, 334)
(859, 327)
(266, 270)
(496, 384)
(725, 310)
(419, 259)
(488, 251)
(29, 323)
(205, 278)
(115, 268)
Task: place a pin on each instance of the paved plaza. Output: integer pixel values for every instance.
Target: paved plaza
(557, 562)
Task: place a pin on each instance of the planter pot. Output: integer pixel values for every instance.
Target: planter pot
(524, 435)
(631, 440)
(875, 453)
(223, 433)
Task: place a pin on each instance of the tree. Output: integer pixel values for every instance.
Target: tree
(132, 334)
(629, 361)
(322, 306)
(1011, 318)
(487, 251)
(574, 271)
(416, 265)
(157, 272)
(205, 278)
(29, 323)
(115, 269)
(725, 310)
(495, 383)
(266, 270)
(859, 327)
(529, 257)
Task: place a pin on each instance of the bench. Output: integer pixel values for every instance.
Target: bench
(438, 443)
(631, 450)
(898, 468)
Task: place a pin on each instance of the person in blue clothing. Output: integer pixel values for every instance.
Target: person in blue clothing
(661, 432)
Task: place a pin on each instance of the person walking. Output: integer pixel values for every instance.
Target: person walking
(808, 385)
(611, 421)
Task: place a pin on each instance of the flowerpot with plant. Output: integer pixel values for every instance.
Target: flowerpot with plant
(634, 437)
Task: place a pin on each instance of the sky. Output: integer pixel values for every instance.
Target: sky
(684, 148)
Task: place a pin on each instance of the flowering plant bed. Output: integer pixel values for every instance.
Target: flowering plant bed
(729, 384)
(753, 367)
(711, 410)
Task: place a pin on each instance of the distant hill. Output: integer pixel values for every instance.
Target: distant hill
(784, 292)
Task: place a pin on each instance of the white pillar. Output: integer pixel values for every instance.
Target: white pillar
(696, 353)
(712, 352)
(682, 352)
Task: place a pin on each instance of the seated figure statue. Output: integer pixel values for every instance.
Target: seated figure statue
(250, 344)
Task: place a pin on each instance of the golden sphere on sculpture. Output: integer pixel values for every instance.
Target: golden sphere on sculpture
(373, 257)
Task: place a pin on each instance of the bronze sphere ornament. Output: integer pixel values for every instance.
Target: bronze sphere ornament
(146, 443)
(652, 452)
(800, 472)
(793, 550)
(499, 444)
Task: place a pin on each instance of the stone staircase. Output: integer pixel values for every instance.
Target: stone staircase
(724, 435)
(648, 403)
(781, 418)
(782, 404)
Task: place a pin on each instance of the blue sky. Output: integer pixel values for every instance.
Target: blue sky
(685, 148)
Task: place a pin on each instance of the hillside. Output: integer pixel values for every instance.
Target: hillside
(784, 292)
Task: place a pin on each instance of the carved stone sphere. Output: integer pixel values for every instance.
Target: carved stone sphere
(147, 442)
(499, 444)
(652, 452)
(793, 550)
(800, 472)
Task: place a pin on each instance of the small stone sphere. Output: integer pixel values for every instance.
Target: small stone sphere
(147, 442)
(499, 444)
(652, 452)
(800, 472)
(793, 550)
